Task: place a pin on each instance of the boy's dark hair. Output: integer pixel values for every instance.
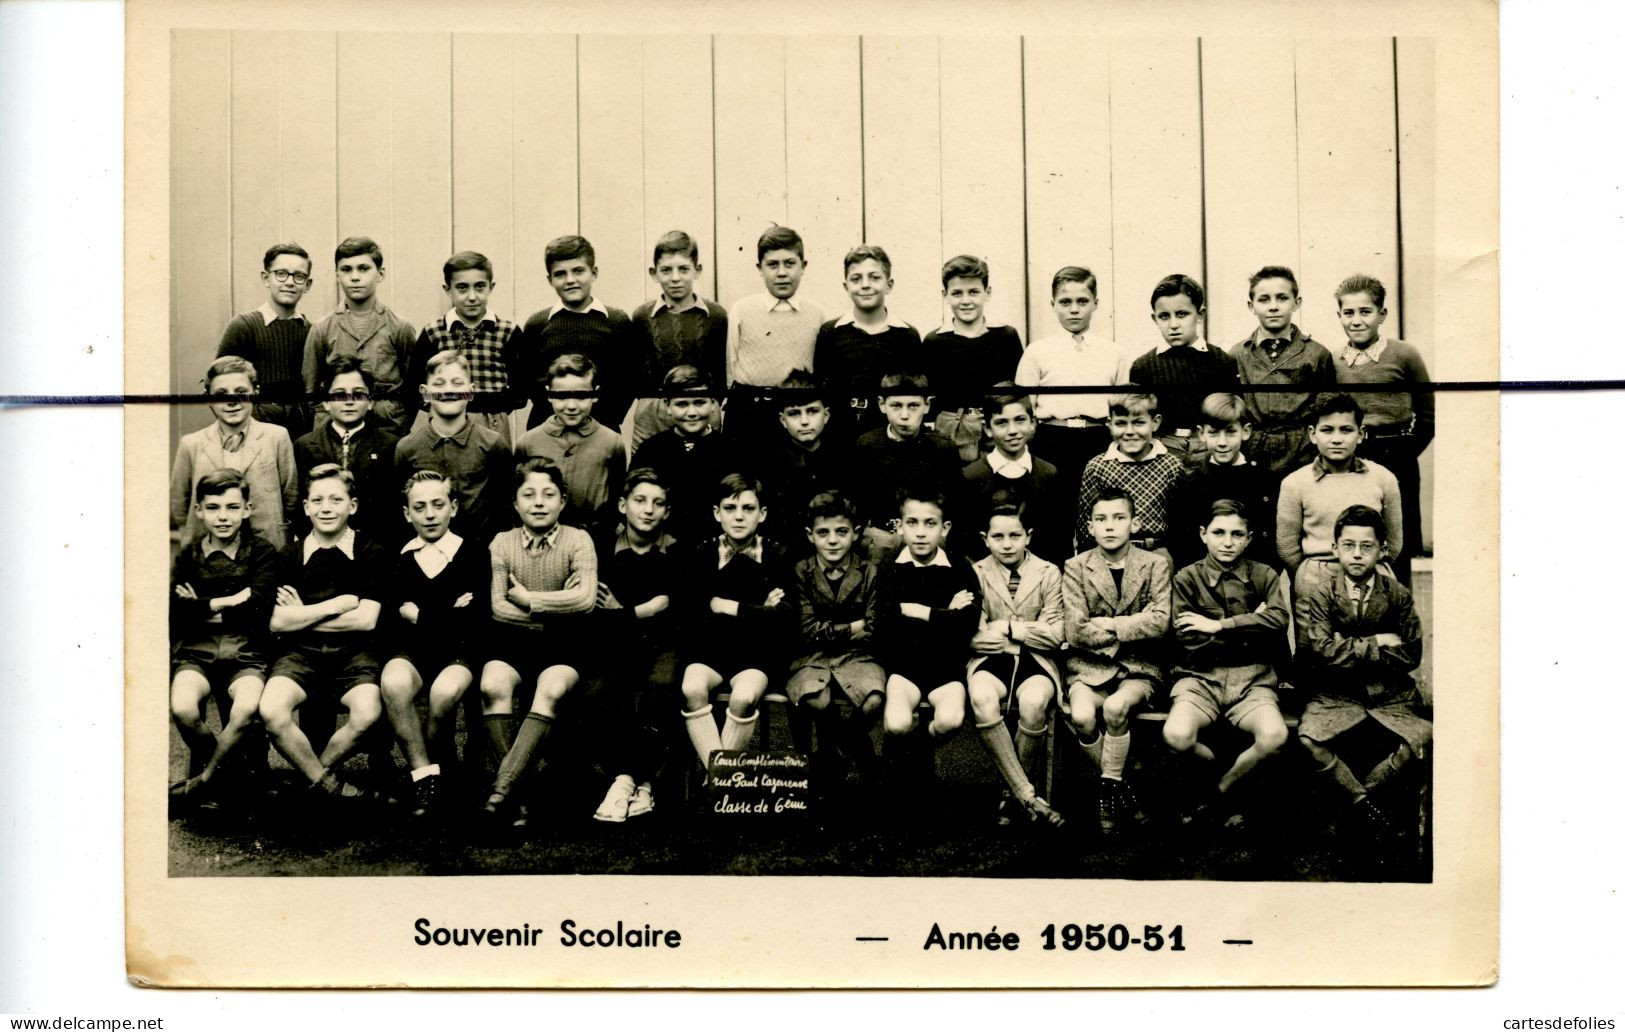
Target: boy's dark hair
(1005, 503)
(690, 380)
(1175, 285)
(428, 476)
(537, 464)
(1334, 404)
(1112, 493)
(1227, 507)
(565, 248)
(735, 484)
(676, 242)
(355, 247)
(832, 505)
(219, 481)
(463, 261)
(276, 250)
(864, 253)
(965, 266)
(1361, 516)
(801, 388)
(779, 238)
(1272, 272)
(1123, 404)
(1360, 283)
(1220, 410)
(1073, 274)
(349, 364)
(330, 471)
(230, 364)
(924, 492)
(1005, 392)
(905, 384)
(572, 364)
(643, 475)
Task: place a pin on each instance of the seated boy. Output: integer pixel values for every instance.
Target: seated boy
(1230, 618)
(590, 454)
(261, 452)
(223, 586)
(365, 330)
(1221, 470)
(966, 354)
(1279, 353)
(351, 442)
(855, 350)
(677, 328)
(691, 457)
(1117, 601)
(327, 609)
(1313, 497)
(468, 453)
(833, 592)
(272, 339)
(494, 346)
(734, 587)
(1011, 469)
(579, 324)
(1184, 367)
(640, 673)
(901, 452)
(1138, 463)
(1359, 634)
(805, 461)
(440, 583)
(1014, 654)
(928, 610)
(544, 576)
(1398, 425)
(769, 335)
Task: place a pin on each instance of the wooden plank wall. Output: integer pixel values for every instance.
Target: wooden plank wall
(1134, 157)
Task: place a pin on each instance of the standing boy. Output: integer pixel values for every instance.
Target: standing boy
(1223, 471)
(769, 335)
(364, 329)
(493, 345)
(902, 452)
(1279, 353)
(805, 461)
(677, 328)
(855, 350)
(1183, 368)
(350, 441)
(579, 324)
(590, 454)
(1138, 463)
(966, 355)
(470, 454)
(1010, 470)
(272, 338)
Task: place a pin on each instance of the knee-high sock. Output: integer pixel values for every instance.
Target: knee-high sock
(1028, 740)
(526, 744)
(1388, 767)
(996, 737)
(737, 731)
(1114, 756)
(1340, 773)
(702, 731)
(1093, 747)
(200, 748)
(498, 738)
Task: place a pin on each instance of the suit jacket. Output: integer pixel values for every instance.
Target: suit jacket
(1037, 603)
(825, 612)
(1337, 639)
(1139, 614)
(265, 459)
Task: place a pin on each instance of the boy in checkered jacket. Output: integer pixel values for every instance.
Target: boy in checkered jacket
(1138, 463)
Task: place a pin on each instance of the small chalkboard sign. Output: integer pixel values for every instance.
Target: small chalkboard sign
(753, 784)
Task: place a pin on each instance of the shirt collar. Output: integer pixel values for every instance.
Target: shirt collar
(345, 436)
(848, 563)
(447, 546)
(451, 321)
(1199, 344)
(553, 428)
(1291, 336)
(436, 438)
(1358, 592)
(1212, 571)
(1157, 449)
(726, 550)
(209, 546)
(694, 301)
(624, 543)
(1241, 460)
(1372, 351)
(791, 302)
(596, 306)
(532, 543)
(345, 544)
(988, 323)
(999, 464)
(892, 322)
(270, 315)
(1322, 470)
(905, 557)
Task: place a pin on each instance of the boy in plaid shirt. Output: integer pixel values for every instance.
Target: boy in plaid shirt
(1138, 463)
(492, 344)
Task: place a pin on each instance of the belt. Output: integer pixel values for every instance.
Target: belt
(1182, 432)
(1387, 430)
(860, 403)
(1147, 543)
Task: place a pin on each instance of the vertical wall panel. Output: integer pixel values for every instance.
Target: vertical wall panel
(982, 175)
(200, 302)
(364, 157)
(307, 157)
(611, 98)
(750, 157)
(544, 162)
(257, 82)
(903, 169)
(418, 99)
(1069, 173)
(1156, 177)
(1346, 183)
(1418, 277)
(482, 135)
(824, 159)
(1249, 122)
(678, 182)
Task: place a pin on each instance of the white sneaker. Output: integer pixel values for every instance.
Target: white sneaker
(616, 801)
(643, 800)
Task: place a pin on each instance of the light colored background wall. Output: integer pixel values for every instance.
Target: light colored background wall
(1134, 157)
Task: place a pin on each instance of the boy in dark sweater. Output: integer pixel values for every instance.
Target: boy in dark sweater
(677, 328)
(272, 338)
(352, 442)
(805, 461)
(691, 456)
(1224, 472)
(855, 350)
(966, 354)
(901, 452)
(582, 325)
(1184, 368)
(1010, 472)
(735, 617)
(223, 586)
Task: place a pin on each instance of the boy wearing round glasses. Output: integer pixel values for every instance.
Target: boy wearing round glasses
(353, 442)
(272, 338)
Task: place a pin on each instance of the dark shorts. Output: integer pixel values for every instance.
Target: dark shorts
(528, 651)
(429, 662)
(1013, 669)
(928, 673)
(731, 661)
(330, 671)
(221, 659)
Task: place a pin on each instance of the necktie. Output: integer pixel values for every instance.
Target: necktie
(1015, 582)
(232, 442)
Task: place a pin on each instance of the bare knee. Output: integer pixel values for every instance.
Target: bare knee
(365, 710)
(696, 689)
(1270, 737)
(984, 705)
(496, 688)
(1179, 735)
(816, 701)
(397, 690)
(1033, 708)
(900, 720)
(1116, 712)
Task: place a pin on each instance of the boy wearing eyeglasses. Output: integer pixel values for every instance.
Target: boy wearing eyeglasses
(272, 337)
(352, 442)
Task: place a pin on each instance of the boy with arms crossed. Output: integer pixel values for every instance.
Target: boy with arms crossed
(966, 354)
(468, 453)
(677, 328)
(366, 330)
(855, 350)
(579, 324)
(1183, 368)
(590, 454)
(493, 345)
(1280, 353)
(272, 338)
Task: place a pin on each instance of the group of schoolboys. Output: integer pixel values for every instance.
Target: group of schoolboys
(615, 549)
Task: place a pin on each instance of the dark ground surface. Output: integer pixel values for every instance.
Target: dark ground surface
(946, 831)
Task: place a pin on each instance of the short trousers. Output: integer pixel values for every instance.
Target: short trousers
(1012, 669)
(857, 675)
(531, 651)
(1233, 692)
(221, 659)
(430, 662)
(1328, 716)
(928, 674)
(1102, 692)
(731, 662)
(328, 670)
